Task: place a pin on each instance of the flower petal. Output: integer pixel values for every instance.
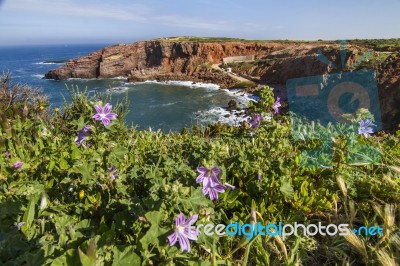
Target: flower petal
(97, 117)
(184, 243)
(98, 109)
(205, 190)
(172, 239)
(180, 220)
(106, 121)
(191, 233)
(213, 194)
(107, 108)
(111, 116)
(202, 169)
(200, 178)
(219, 188)
(191, 220)
(215, 170)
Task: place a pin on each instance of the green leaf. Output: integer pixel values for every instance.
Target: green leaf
(29, 214)
(88, 259)
(85, 260)
(68, 258)
(155, 231)
(63, 164)
(86, 170)
(125, 255)
(119, 152)
(286, 188)
(196, 201)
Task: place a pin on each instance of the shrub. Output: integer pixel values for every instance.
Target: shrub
(115, 197)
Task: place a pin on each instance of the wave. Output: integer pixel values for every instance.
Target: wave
(218, 114)
(189, 84)
(119, 89)
(55, 62)
(164, 104)
(89, 79)
(39, 76)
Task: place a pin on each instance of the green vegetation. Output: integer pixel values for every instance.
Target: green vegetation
(113, 200)
(225, 39)
(383, 45)
(201, 39)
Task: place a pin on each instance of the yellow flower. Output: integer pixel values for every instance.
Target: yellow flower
(56, 110)
(81, 194)
(41, 107)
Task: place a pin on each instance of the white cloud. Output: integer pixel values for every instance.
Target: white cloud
(132, 12)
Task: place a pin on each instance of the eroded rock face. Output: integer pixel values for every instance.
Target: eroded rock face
(149, 59)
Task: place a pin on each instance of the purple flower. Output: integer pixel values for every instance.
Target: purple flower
(211, 184)
(259, 177)
(7, 154)
(104, 114)
(184, 231)
(229, 186)
(18, 164)
(255, 121)
(82, 135)
(114, 173)
(365, 128)
(276, 105)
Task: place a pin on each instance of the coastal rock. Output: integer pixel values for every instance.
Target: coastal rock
(232, 105)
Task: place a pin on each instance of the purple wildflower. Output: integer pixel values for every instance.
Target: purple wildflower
(114, 173)
(365, 128)
(276, 105)
(18, 164)
(82, 135)
(104, 114)
(259, 177)
(229, 186)
(211, 184)
(7, 154)
(255, 121)
(184, 231)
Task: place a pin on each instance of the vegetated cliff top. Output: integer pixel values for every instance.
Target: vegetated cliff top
(199, 39)
(376, 44)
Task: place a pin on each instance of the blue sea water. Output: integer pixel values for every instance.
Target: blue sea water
(168, 106)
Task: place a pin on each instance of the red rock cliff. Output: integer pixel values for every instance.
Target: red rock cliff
(147, 59)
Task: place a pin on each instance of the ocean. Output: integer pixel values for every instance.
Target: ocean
(169, 106)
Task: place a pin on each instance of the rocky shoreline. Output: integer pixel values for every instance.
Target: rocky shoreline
(274, 62)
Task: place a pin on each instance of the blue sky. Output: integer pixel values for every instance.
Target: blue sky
(118, 21)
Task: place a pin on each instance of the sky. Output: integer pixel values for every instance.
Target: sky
(25, 22)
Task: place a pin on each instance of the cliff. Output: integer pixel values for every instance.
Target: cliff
(274, 63)
(164, 59)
